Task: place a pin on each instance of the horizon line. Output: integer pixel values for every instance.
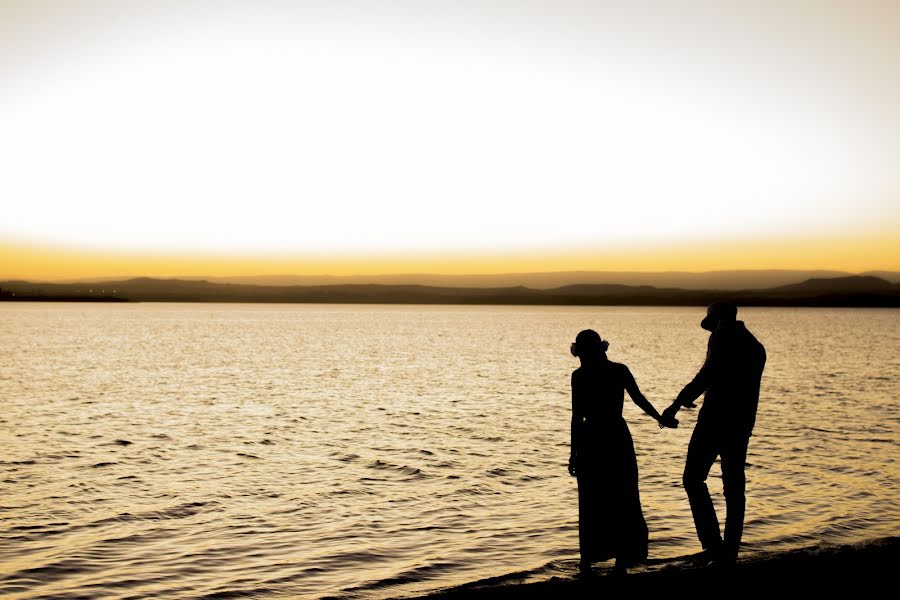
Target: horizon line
(853, 253)
(361, 275)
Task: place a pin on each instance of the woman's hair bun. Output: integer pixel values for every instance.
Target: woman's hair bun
(589, 342)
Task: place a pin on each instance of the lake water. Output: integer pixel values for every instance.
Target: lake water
(185, 450)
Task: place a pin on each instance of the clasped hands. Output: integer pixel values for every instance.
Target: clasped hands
(667, 418)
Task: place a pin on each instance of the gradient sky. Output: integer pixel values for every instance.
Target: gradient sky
(333, 136)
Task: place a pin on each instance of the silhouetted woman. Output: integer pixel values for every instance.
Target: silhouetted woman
(610, 520)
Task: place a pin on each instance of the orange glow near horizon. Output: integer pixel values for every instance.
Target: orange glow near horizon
(300, 138)
(853, 254)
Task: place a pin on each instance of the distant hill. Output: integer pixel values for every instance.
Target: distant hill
(847, 285)
(716, 280)
(839, 291)
(719, 280)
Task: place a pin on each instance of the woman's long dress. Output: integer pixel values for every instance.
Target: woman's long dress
(610, 520)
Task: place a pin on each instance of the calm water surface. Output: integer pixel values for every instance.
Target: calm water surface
(178, 450)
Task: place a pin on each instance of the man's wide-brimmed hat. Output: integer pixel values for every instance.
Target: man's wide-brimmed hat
(718, 311)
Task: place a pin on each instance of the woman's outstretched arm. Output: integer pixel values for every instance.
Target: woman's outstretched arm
(632, 388)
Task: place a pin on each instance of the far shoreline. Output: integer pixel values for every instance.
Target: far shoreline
(849, 292)
(51, 300)
(597, 304)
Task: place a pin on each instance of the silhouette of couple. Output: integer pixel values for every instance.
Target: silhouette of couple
(610, 520)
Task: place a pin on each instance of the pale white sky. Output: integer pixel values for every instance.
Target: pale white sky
(432, 126)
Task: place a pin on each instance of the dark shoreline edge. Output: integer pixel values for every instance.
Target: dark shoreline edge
(867, 566)
(851, 292)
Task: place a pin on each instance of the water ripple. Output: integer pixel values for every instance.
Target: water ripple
(255, 451)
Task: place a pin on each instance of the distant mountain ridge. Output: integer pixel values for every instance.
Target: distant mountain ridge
(719, 280)
(839, 291)
(862, 283)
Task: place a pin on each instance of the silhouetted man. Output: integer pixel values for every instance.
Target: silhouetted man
(730, 377)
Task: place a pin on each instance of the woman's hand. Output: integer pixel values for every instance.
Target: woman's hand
(670, 423)
(667, 419)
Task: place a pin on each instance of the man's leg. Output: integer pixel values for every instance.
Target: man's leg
(734, 459)
(702, 452)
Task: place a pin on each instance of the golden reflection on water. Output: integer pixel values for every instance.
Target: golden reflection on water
(172, 450)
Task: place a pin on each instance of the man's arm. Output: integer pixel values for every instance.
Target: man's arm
(701, 380)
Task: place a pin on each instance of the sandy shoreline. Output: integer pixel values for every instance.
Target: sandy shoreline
(860, 567)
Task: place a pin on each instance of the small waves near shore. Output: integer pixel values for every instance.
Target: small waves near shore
(190, 451)
(864, 567)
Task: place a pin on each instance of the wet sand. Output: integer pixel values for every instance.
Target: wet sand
(859, 568)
